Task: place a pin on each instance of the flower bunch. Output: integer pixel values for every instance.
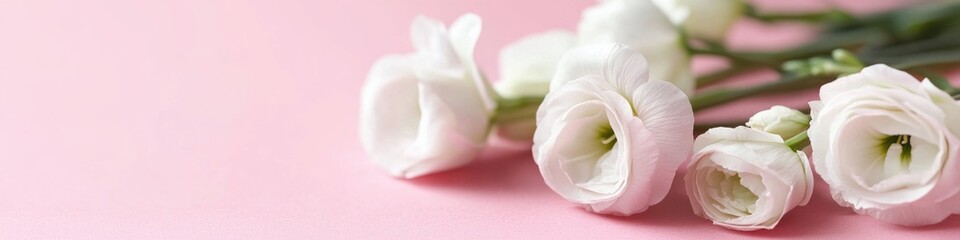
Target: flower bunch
(609, 110)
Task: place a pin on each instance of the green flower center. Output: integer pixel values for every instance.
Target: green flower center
(904, 142)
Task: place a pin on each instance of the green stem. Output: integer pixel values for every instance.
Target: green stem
(725, 95)
(793, 82)
(720, 75)
(516, 109)
(830, 15)
(739, 58)
(947, 56)
(798, 142)
(742, 62)
(826, 43)
(716, 77)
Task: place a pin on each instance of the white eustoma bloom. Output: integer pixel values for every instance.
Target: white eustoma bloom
(746, 179)
(526, 68)
(780, 120)
(887, 145)
(645, 28)
(703, 19)
(607, 137)
(427, 111)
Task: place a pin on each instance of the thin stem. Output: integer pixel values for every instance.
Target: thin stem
(746, 61)
(753, 59)
(725, 95)
(828, 42)
(815, 17)
(830, 15)
(716, 77)
(950, 56)
(798, 142)
(514, 109)
(795, 82)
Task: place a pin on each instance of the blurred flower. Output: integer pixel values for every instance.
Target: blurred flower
(607, 137)
(427, 111)
(526, 67)
(887, 146)
(703, 19)
(780, 120)
(644, 27)
(746, 179)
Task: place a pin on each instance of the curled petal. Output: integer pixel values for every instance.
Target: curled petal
(746, 179)
(646, 29)
(426, 112)
(607, 137)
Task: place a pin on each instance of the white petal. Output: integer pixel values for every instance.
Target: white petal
(912, 215)
(860, 112)
(573, 159)
(430, 39)
(780, 120)
(636, 172)
(446, 138)
(464, 33)
(624, 68)
(779, 177)
(649, 174)
(704, 19)
(808, 176)
(527, 65)
(425, 112)
(878, 75)
(557, 103)
(667, 113)
(642, 26)
(390, 92)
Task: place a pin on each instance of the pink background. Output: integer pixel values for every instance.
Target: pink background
(237, 119)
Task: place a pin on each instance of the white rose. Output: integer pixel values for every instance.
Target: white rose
(746, 179)
(703, 19)
(526, 67)
(887, 146)
(645, 28)
(428, 111)
(780, 120)
(607, 137)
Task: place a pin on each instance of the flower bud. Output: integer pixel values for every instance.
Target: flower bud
(745, 179)
(780, 120)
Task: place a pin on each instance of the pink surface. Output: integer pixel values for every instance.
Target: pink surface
(237, 119)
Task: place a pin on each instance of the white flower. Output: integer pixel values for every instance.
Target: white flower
(607, 137)
(527, 65)
(887, 146)
(746, 179)
(526, 68)
(645, 28)
(704, 19)
(780, 120)
(428, 111)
